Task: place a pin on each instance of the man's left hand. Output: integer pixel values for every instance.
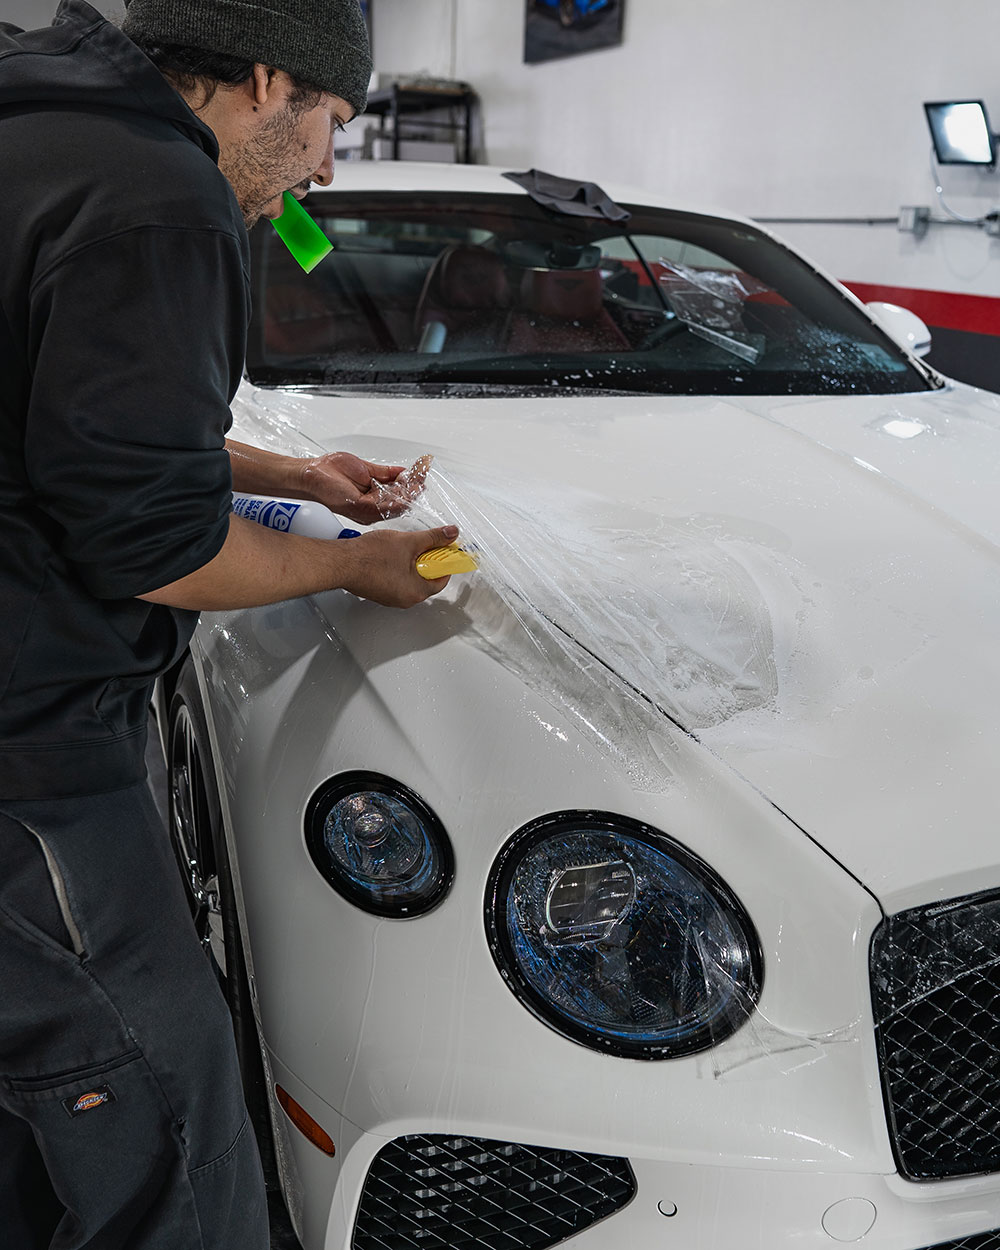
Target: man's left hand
(360, 490)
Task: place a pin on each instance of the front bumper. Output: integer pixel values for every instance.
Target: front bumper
(694, 1206)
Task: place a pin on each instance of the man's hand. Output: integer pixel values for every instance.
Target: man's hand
(383, 565)
(351, 487)
(358, 489)
(257, 565)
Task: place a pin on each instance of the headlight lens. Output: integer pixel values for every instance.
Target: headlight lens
(379, 844)
(619, 938)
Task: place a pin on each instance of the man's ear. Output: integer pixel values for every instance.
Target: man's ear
(263, 83)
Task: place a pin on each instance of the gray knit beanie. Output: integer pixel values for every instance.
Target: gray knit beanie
(323, 42)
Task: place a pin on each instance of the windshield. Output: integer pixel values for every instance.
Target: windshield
(450, 290)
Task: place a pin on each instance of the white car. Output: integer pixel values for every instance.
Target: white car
(642, 889)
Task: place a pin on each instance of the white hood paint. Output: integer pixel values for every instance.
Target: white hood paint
(810, 586)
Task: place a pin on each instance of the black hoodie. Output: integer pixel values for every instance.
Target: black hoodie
(124, 298)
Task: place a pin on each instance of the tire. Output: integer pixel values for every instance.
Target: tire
(194, 813)
(198, 838)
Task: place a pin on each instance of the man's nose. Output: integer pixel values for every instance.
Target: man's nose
(324, 174)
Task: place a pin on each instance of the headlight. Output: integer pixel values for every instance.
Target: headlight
(379, 844)
(620, 939)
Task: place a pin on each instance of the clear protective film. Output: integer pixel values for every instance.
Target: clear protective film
(554, 602)
(268, 421)
(710, 302)
(707, 636)
(710, 635)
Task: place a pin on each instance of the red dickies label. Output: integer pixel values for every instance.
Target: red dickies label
(92, 1099)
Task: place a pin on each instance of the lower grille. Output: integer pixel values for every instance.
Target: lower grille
(981, 1241)
(935, 974)
(459, 1193)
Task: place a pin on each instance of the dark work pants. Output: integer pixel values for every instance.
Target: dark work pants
(122, 1121)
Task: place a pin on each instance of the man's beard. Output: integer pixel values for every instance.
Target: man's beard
(263, 169)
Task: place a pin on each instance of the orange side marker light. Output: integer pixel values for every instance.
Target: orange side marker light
(304, 1122)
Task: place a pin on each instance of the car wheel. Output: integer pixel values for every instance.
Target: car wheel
(195, 822)
(194, 814)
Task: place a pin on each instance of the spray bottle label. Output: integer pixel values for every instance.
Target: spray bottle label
(273, 513)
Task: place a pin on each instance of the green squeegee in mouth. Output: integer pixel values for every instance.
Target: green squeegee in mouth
(300, 234)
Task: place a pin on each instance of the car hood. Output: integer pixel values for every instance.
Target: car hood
(810, 587)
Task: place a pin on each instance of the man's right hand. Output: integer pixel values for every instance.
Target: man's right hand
(258, 565)
(385, 565)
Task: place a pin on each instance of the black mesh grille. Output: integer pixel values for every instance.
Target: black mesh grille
(935, 975)
(457, 1193)
(980, 1241)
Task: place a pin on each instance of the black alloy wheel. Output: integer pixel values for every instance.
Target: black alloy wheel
(194, 815)
(196, 830)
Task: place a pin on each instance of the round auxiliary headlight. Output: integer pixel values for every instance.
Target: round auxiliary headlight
(619, 938)
(379, 844)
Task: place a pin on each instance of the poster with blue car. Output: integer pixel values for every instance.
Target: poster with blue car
(557, 28)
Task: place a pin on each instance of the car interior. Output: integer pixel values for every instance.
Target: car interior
(503, 292)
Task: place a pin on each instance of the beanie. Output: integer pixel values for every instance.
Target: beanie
(322, 42)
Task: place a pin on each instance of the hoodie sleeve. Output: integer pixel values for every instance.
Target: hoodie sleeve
(138, 342)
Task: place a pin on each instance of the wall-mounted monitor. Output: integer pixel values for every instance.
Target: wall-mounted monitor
(961, 132)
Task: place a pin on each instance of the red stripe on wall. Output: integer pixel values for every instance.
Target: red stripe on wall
(977, 314)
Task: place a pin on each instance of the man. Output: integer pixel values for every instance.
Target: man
(127, 183)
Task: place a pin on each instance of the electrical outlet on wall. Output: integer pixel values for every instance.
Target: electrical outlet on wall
(914, 219)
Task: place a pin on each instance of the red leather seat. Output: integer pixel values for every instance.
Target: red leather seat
(562, 310)
(467, 293)
(297, 321)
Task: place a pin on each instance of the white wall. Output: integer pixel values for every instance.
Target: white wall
(26, 13)
(31, 13)
(774, 108)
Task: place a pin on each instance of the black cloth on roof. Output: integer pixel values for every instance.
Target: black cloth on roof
(564, 195)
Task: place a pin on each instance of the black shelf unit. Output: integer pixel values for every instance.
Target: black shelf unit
(396, 104)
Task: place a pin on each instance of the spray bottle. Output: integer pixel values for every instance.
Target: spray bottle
(292, 516)
(315, 520)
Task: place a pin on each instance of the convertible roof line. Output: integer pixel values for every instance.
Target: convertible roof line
(566, 195)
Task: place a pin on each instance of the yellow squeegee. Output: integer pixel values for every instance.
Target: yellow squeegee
(443, 561)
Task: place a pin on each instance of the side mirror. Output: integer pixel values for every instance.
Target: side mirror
(903, 326)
